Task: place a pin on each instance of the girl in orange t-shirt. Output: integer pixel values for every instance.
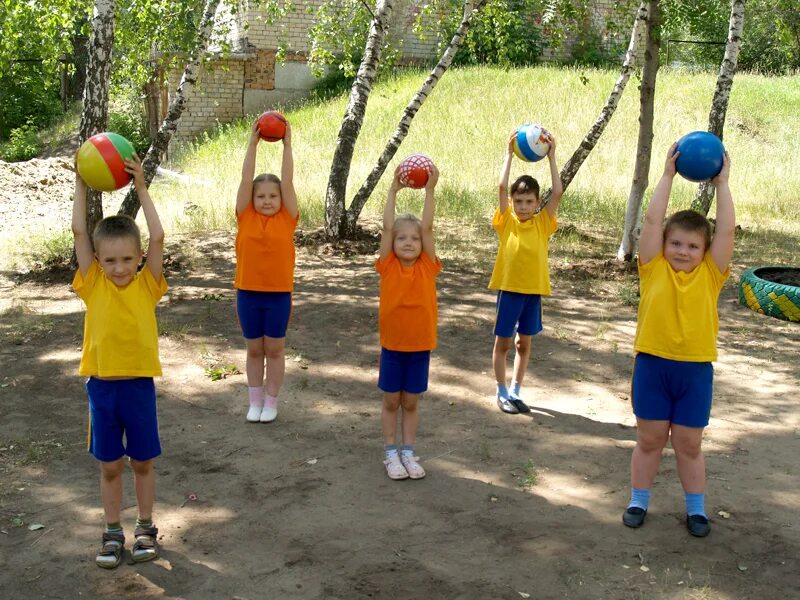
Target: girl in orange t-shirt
(408, 266)
(267, 215)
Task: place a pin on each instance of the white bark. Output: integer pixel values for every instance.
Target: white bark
(151, 161)
(94, 117)
(722, 93)
(644, 146)
(470, 10)
(593, 135)
(335, 214)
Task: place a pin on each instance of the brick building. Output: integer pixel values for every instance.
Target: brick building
(249, 79)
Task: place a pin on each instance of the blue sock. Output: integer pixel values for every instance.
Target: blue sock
(390, 449)
(695, 504)
(502, 390)
(639, 498)
(515, 389)
(407, 449)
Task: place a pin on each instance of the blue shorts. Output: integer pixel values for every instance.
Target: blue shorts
(123, 407)
(520, 312)
(404, 371)
(263, 314)
(672, 390)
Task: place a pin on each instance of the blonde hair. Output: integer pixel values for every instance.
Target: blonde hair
(406, 218)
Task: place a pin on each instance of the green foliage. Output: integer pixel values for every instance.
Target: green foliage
(127, 119)
(29, 93)
(23, 144)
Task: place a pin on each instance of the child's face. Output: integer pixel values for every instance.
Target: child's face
(267, 198)
(407, 243)
(525, 205)
(119, 258)
(684, 249)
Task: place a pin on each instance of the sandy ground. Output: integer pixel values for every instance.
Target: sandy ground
(512, 507)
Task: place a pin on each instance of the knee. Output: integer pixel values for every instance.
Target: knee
(255, 352)
(112, 470)
(391, 402)
(502, 344)
(651, 442)
(688, 449)
(142, 467)
(523, 345)
(273, 353)
(409, 402)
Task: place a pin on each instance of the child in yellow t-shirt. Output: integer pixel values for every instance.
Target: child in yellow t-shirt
(682, 271)
(120, 358)
(407, 316)
(521, 275)
(267, 215)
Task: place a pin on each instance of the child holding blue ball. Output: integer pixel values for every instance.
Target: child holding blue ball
(521, 274)
(682, 271)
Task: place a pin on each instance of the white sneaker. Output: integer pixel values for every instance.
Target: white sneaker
(394, 468)
(270, 410)
(253, 414)
(506, 405)
(413, 468)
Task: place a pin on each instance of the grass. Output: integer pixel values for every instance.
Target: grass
(526, 474)
(467, 145)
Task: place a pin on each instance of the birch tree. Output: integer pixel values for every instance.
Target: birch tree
(352, 214)
(722, 93)
(644, 145)
(94, 117)
(130, 205)
(335, 221)
(588, 143)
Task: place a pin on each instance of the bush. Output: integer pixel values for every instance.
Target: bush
(28, 94)
(23, 144)
(130, 125)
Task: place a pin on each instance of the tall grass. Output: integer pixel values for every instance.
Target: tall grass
(466, 121)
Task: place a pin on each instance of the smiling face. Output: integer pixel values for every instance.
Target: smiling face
(683, 248)
(267, 197)
(525, 205)
(119, 258)
(407, 243)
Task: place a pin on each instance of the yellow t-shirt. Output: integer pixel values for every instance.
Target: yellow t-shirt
(678, 316)
(120, 335)
(521, 263)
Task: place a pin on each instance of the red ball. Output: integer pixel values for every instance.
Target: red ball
(271, 126)
(415, 170)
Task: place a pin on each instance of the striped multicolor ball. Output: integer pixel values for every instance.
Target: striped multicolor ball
(100, 161)
(530, 143)
(414, 170)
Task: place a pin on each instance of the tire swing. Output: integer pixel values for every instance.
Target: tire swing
(773, 291)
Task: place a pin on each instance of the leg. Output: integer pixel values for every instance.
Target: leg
(409, 417)
(651, 437)
(523, 348)
(391, 404)
(111, 489)
(499, 357)
(273, 349)
(144, 481)
(687, 441)
(254, 366)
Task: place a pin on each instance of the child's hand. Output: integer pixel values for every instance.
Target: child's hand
(551, 139)
(669, 165)
(722, 176)
(396, 184)
(433, 178)
(255, 135)
(134, 168)
(287, 137)
(510, 143)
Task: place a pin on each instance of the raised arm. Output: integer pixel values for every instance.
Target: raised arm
(245, 194)
(505, 171)
(288, 194)
(722, 244)
(84, 251)
(428, 210)
(155, 247)
(388, 215)
(556, 187)
(651, 241)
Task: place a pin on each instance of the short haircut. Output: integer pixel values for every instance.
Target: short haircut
(525, 184)
(689, 220)
(406, 218)
(117, 226)
(266, 178)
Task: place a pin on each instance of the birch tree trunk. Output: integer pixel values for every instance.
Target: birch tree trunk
(360, 199)
(644, 145)
(588, 143)
(719, 105)
(335, 214)
(130, 206)
(94, 116)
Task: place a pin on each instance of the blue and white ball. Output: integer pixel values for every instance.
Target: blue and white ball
(530, 143)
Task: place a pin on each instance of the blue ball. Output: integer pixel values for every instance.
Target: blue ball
(701, 156)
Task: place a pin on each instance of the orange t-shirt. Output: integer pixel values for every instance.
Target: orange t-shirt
(265, 251)
(408, 314)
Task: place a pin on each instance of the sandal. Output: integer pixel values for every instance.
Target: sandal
(146, 546)
(110, 554)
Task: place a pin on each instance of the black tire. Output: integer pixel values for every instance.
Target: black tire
(771, 298)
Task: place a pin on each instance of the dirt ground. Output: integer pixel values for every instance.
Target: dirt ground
(512, 507)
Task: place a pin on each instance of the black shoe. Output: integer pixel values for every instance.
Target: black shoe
(698, 525)
(521, 406)
(634, 516)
